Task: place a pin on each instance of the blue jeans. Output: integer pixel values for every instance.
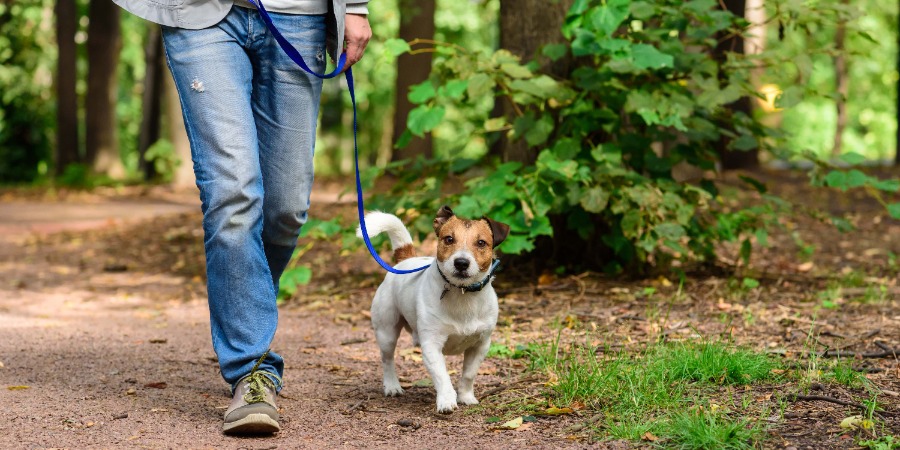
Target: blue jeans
(250, 115)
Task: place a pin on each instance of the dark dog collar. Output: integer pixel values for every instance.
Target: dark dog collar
(474, 287)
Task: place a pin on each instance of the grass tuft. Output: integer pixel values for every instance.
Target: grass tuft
(648, 393)
(713, 362)
(702, 430)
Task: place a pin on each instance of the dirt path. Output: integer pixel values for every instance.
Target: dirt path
(101, 348)
(104, 336)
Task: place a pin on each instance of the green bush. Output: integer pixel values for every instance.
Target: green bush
(646, 97)
(649, 100)
(26, 89)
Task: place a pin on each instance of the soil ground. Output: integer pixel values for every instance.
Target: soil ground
(104, 333)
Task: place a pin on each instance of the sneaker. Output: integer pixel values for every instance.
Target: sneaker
(253, 410)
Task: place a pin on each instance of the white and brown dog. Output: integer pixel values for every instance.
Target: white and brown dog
(449, 308)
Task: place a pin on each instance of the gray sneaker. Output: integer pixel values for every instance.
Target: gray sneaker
(253, 410)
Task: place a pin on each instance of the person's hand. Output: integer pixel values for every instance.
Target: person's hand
(356, 34)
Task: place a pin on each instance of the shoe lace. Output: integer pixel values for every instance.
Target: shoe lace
(260, 380)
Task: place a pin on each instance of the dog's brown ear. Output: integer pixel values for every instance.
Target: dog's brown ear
(443, 215)
(498, 229)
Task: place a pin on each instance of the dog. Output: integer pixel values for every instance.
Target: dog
(450, 308)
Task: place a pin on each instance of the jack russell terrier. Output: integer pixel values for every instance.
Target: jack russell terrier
(449, 308)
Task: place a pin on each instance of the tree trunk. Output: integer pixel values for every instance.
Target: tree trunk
(66, 77)
(842, 82)
(151, 99)
(735, 159)
(181, 146)
(755, 41)
(525, 27)
(416, 21)
(103, 45)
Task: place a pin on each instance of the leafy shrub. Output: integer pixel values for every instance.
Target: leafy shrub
(649, 99)
(26, 77)
(646, 97)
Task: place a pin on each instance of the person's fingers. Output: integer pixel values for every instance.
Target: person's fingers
(357, 34)
(355, 50)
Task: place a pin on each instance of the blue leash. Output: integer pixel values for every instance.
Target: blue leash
(342, 61)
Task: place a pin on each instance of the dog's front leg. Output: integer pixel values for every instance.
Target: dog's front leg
(433, 356)
(472, 360)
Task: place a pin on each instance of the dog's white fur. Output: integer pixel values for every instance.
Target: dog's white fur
(441, 321)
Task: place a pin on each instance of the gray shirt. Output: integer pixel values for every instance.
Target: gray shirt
(197, 14)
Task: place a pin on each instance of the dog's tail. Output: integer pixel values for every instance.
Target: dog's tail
(378, 222)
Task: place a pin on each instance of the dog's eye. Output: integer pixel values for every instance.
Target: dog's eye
(448, 240)
(481, 243)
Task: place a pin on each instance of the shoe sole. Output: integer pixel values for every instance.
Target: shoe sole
(252, 424)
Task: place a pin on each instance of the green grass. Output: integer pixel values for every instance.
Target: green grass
(841, 372)
(714, 362)
(873, 292)
(887, 442)
(710, 431)
(663, 391)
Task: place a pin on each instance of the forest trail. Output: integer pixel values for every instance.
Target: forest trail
(101, 349)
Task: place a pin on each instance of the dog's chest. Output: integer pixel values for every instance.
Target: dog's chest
(459, 343)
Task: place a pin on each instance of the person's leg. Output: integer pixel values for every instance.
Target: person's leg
(214, 76)
(285, 103)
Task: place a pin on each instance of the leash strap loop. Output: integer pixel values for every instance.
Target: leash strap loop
(295, 56)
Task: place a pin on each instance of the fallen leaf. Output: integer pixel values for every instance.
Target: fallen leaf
(553, 411)
(524, 427)
(157, 385)
(18, 388)
(158, 341)
(130, 391)
(1, 364)
(486, 370)
(854, 422)
(512, 424)
(411, 354)
(89, 424)
(546, 278)
(805, 267)
(553, 379)
(648, 436)
(159, 410)
(424, 382)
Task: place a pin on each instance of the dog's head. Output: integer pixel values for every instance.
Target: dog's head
(466, 247)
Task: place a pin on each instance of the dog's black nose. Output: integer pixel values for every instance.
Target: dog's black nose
(461, 264)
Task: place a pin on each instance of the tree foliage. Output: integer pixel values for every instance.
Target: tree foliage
(27, 59)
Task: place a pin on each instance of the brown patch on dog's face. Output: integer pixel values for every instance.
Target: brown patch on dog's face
(472, 236)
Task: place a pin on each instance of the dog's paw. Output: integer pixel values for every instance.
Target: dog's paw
(393, 391)
(467, 399)
(446, 405)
